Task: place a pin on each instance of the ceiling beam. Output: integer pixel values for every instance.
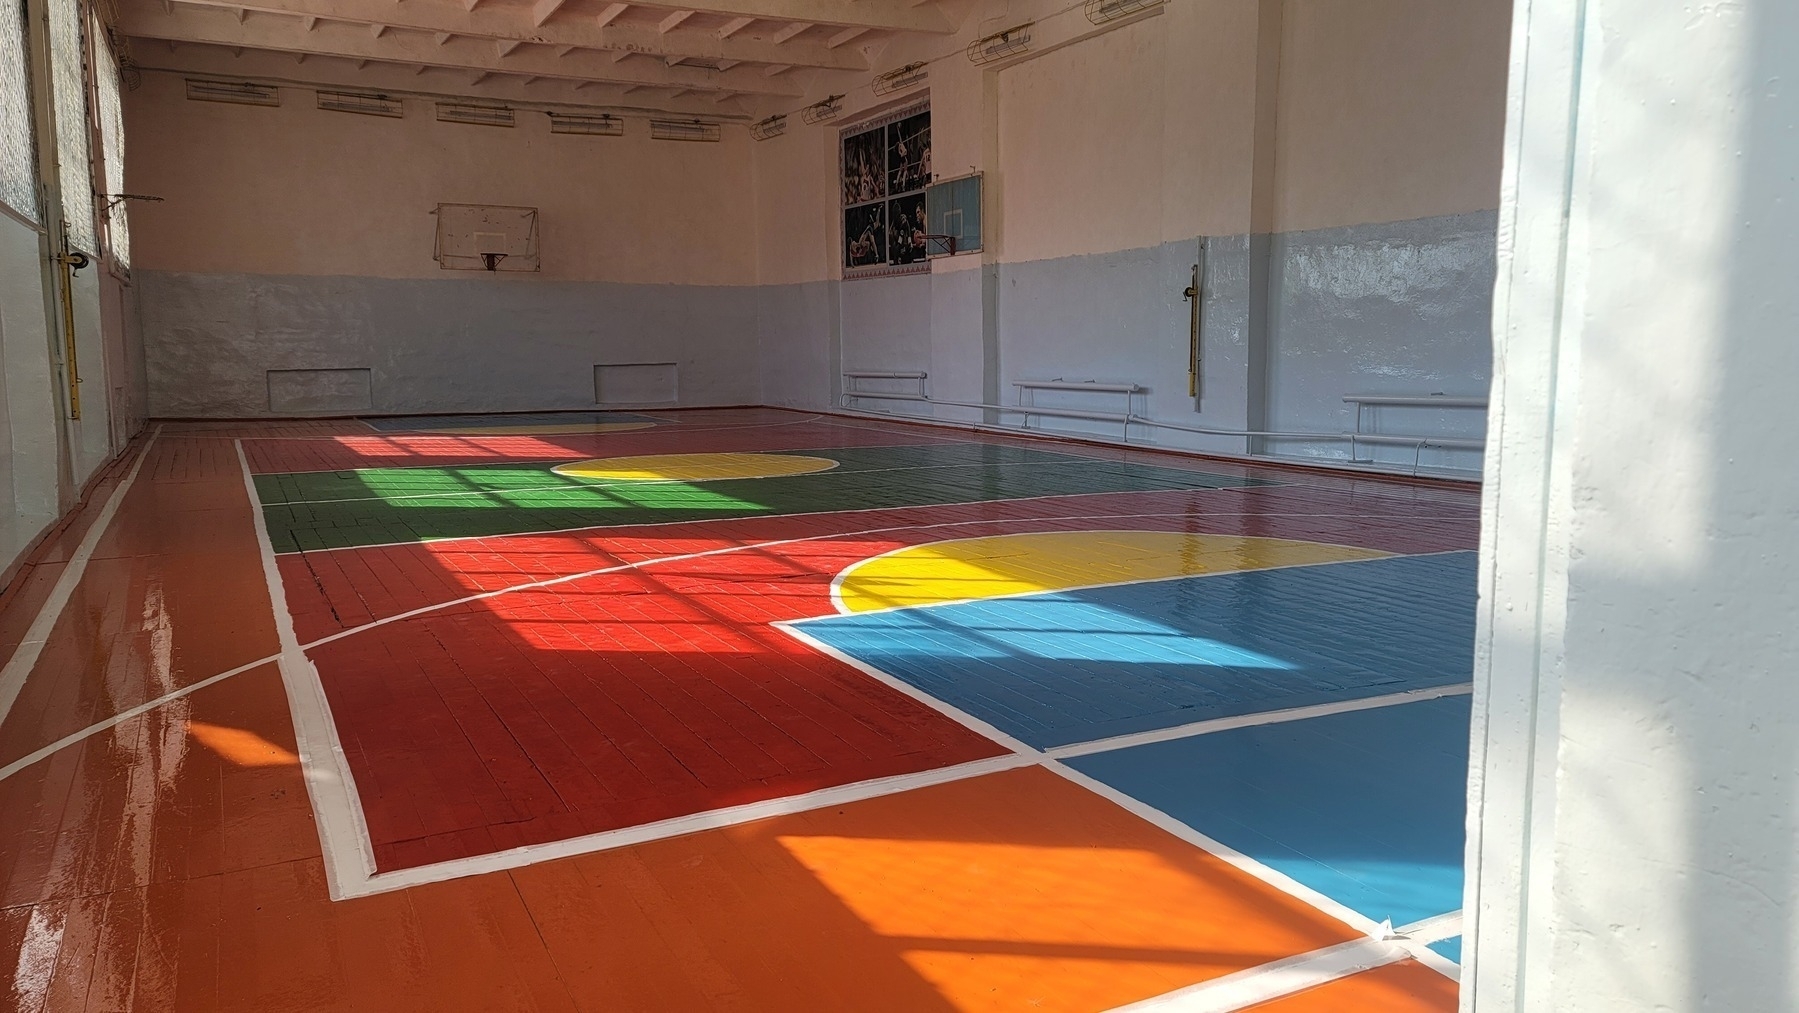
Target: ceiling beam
(331, 74)
(498, 22)
(845, 37)
(542, 9)
(352, 42)
(673, 21)
(791, 30)
(843, 13)
(735, 25)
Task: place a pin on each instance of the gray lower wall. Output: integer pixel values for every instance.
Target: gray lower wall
(1393, 308)
(1396, 308)
(465, 344)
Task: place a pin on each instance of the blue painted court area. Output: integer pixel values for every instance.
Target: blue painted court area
(1367, 807)
(1073, 666)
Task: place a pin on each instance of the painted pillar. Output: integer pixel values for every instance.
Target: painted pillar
(1634, 808)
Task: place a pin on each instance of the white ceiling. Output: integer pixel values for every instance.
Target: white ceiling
(725, 58)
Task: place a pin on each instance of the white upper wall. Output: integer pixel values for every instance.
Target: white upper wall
(1387, 110)
(301, 191)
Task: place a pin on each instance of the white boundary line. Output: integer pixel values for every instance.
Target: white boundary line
(1245, 484)
(1274, 717)
(336, 807)
(37, 635)
(1275, 979)
(640, 564)
(373, 432)
(725, 550)
(1280, 881)
(635, 483)
(126, 715)
(680, 826)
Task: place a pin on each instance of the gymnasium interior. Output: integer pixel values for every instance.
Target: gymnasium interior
(898, 505)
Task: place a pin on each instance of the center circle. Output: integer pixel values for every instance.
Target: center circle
(695, 467)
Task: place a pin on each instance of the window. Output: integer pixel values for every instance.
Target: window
(18, 177)
(68, 80)
(112, 146)
(885, 166)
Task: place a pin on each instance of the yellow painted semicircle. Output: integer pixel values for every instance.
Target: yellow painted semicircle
(970, 568)
(695, 467)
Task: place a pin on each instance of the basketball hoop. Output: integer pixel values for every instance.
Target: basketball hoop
(940, 246)
(492, 260)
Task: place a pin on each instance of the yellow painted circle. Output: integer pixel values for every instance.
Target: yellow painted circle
(696, 467)
(991, 567)
(549, 428)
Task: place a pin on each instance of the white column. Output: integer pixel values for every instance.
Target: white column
(1633, 837)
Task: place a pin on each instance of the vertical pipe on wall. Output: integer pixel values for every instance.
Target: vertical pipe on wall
(1259, 339)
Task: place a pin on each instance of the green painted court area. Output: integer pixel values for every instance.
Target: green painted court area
(342, 509)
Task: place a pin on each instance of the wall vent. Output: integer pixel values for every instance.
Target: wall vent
(1001, 45)
(774, 126)
(602, 125)
(825, 109)
(360, 102)
(489, 116)
(1101, 11)
(684, 130)
(240, 92)
(911, 75)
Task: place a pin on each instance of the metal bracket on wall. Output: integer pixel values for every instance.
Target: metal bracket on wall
(1194, 293)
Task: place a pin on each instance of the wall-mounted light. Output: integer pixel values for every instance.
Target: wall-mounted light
(773, 126)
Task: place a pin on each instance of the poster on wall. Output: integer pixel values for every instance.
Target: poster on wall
(906, 229)
(864, 167)
(909, 154)
(865, 235)
(886, 165)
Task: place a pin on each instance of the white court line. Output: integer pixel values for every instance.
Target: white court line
(681, 826)
(634, 483)
(868, 510)
(1280, 881)
(726, 550)
(644, 563)
(1256, 720)
(1278, 978)
(126, 715)
(686, 428)
(336, 808)
(18, 667)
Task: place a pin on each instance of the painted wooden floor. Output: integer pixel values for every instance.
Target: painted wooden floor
(731, 710)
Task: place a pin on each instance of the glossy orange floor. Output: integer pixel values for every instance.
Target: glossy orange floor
(171, 860)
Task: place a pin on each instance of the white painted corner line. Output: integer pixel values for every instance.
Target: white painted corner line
(1253, 986)
(1243, 863)
(126, 715)
(336, 808)
(681, 826)
(1263, 983)
(37, 635)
